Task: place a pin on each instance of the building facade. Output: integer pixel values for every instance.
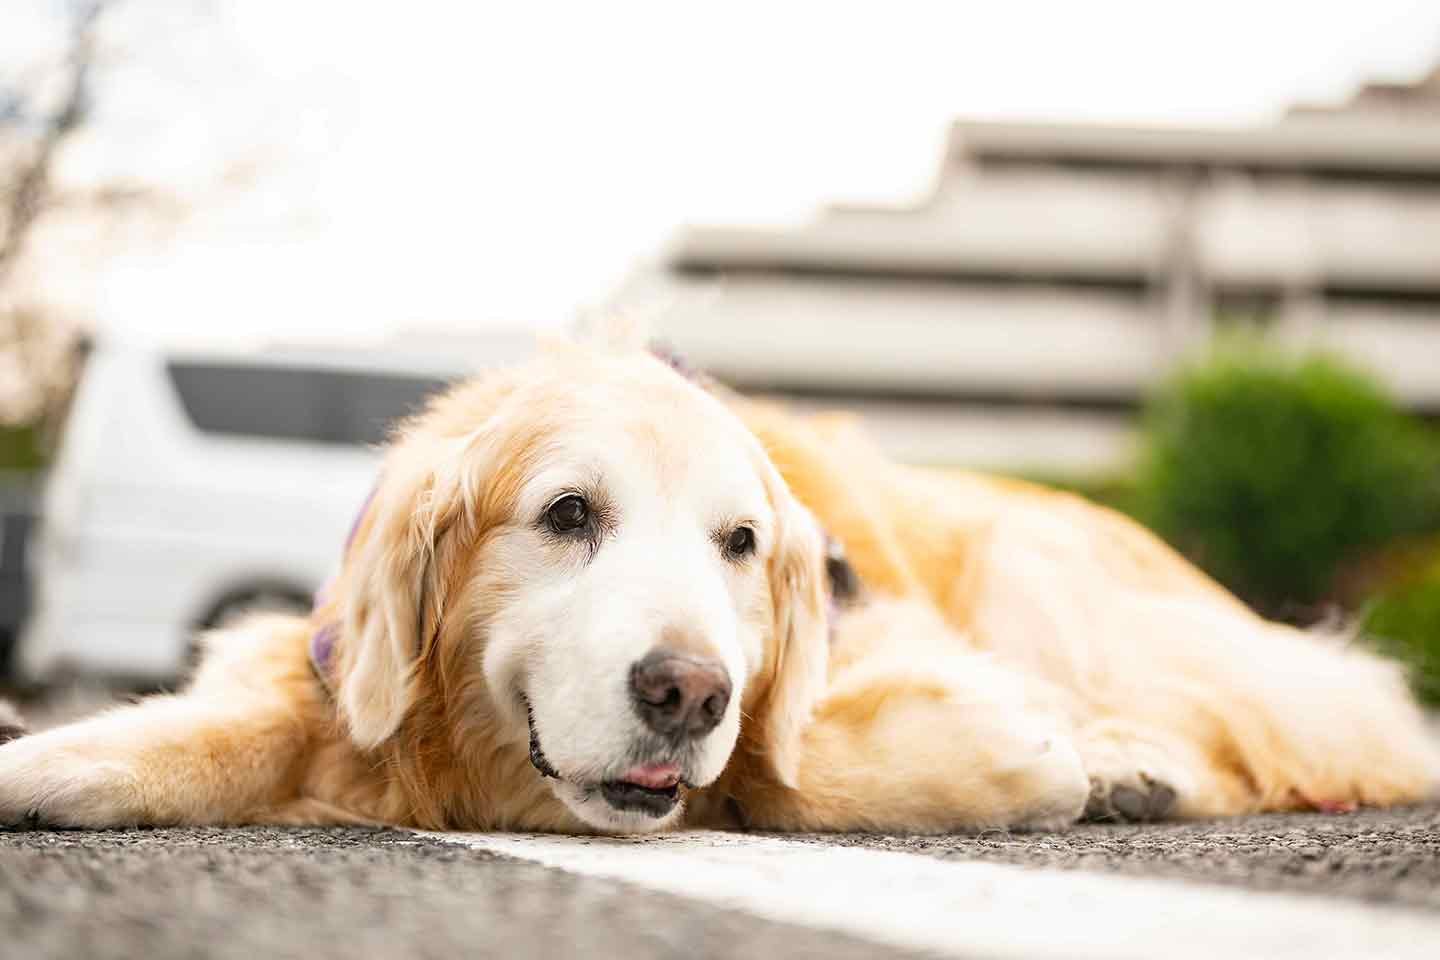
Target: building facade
(1016, 318)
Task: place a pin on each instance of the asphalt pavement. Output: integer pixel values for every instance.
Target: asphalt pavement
(1305, 885)
(345, 893)
(265, 892)
(1376, 856)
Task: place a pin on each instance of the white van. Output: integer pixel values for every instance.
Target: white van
(191, 486)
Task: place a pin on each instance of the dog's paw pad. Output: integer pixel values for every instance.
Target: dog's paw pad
(1142, 799)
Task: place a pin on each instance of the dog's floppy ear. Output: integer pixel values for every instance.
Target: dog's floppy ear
(387, 586)
(801, 641)
(451, 474)
(397, 572)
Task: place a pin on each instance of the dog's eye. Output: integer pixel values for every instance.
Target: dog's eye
(740, 543)
(568, 514)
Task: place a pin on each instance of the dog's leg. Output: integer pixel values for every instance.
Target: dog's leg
(227, 751)
(906, 754)
(1137, 667)
(1190, 706)
(915, 735)
(168, 760)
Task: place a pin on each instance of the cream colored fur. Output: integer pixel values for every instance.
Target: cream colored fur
(1020, 656)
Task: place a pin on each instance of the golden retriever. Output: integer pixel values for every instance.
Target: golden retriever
(590, 595)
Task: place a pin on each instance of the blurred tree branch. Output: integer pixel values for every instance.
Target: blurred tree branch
(27, 195)
(30, 184)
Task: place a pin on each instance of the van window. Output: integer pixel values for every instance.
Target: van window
(298, 403)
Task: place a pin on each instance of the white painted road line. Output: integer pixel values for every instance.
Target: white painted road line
(978, 909)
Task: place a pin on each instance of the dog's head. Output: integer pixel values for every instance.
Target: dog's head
(603, 550)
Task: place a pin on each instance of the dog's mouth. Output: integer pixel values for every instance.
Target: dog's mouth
(652, 789)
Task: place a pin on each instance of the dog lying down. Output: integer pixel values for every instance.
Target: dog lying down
(590, 595)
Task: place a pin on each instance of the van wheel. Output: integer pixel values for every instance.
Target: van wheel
(7, 653)
(266, 599)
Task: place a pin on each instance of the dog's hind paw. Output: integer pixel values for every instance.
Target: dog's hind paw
(1138, 800)
(1134, 779)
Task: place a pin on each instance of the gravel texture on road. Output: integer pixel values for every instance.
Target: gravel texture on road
(1375, 855)
(346, 893)
(349, 893)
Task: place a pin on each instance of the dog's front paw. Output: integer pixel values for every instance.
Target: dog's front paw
(1140, 800)
(42, 787)
(1132, 781)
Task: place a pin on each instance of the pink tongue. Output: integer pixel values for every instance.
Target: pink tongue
(654, 776)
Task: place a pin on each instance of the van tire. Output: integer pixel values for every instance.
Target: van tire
(279, 599)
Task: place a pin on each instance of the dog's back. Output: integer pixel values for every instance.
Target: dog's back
(1141, 639)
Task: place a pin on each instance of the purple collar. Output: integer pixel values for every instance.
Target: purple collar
(322, 641)
(322, 653)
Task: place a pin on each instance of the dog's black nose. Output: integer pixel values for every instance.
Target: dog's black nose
(679, 695)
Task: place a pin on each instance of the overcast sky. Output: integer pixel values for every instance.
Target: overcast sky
(350, 168)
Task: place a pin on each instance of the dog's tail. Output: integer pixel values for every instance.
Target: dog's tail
(11, 726)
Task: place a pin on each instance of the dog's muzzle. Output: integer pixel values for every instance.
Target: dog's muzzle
(650, 789)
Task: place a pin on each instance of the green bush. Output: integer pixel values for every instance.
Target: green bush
(1270, 472)
(1405, 623)
(20, 448)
